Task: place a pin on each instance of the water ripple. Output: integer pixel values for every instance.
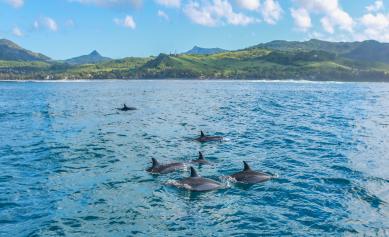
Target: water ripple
(74, 166)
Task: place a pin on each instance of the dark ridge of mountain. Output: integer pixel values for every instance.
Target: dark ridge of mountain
(162, 61)
(338, 48)
(9, 51)
(171, 66)
(92, 58)
(278, 60)
(205, 51)
(368, 51)
(297, 57)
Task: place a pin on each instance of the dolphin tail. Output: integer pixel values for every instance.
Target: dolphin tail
(193, 172)
(201, 157)
(246, 166)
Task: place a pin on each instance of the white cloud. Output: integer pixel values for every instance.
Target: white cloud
(376, 6)
(378, 21)
(251, 5)
(163, 15)
(127, 22)
(271, 11)
(110, 3)
(213, 13)
(50, 24)
(169, 3)
(327, 25)
(374, 26)
(15, 3)
(46, 22)
(17, 32)
(333, 15)
(301, 18)
(199, 15)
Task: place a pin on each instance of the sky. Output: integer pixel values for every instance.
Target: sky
(63, 29)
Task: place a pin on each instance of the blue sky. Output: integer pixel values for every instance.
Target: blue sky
(118, 28)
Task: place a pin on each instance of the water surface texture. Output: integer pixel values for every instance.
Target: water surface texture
(72, 165)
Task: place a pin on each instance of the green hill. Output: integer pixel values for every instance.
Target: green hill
(313, 44)
(205, 51)
(277, 60)
(92, 58)
(257, 63)
(369, 51)
(13, 52)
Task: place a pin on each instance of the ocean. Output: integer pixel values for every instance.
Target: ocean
(73, 165)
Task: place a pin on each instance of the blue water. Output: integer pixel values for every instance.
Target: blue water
(71, 165)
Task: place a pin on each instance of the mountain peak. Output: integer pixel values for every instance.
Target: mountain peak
(371, 42)
(205, 51)
(315, 40)
(95, 53)
(92, 58)
(11, 51)
(9, 43)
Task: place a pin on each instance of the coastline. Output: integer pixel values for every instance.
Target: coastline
(298, 81)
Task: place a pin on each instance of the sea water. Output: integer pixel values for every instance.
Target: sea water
(73, 165)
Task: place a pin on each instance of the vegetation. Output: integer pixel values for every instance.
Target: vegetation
(198, 50)
(12, 51)
(311, 60)
(91, 58)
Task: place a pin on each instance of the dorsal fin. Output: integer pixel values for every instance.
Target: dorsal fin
(201, 157)
(193, 173)
(246, 166)
(202, 134)
(155, 162)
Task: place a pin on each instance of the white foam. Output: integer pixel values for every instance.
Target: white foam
(181, 80)
(227, 181)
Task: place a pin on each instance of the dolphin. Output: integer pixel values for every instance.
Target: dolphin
(204, 138)
(197, 183)
(249, 176)
(158, 168)
(200, 160)
(126, 108)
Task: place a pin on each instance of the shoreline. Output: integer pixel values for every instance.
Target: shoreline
(302, 81)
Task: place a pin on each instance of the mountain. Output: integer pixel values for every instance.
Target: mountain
(9, 51)
(91, 58)
(277, 60)
(366, 51)
(313, 44)
(205, 51)
(253, 63)
(369, 51)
